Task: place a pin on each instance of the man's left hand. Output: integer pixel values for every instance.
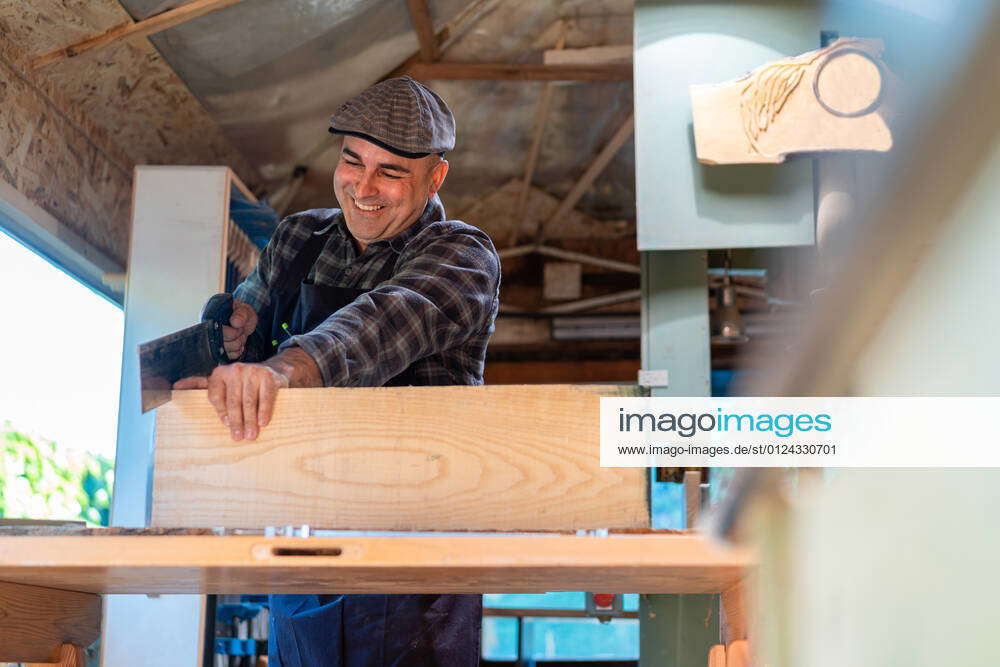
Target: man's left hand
(242, 394)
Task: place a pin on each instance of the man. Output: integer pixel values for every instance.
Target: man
(384, 290)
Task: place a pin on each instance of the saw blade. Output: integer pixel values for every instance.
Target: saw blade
(194, 351)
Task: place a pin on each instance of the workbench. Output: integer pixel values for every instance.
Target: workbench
(55, 576)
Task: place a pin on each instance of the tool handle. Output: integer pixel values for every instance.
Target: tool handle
(218, 309)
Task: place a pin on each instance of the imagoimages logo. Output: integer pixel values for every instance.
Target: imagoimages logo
(690, 424)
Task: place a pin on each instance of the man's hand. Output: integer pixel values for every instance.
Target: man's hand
(241, 324)
(243, 395)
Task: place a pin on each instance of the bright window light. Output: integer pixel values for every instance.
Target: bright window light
(62, 351)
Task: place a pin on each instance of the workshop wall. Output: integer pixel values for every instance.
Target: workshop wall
(73, 130)
(52, 153)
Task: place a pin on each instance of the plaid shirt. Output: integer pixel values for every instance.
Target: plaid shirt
(435, 313)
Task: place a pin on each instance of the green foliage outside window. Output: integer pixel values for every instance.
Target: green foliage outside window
(38, 480)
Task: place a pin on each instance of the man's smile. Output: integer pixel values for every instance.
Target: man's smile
(367, 208)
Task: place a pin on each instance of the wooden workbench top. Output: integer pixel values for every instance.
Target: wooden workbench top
(452, 563)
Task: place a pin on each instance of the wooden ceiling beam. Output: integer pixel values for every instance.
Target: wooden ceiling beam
(448, 34)
(145, 28)
(420, 16)
(502, 72)
(593, 171)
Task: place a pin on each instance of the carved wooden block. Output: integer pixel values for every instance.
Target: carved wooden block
(832, 99)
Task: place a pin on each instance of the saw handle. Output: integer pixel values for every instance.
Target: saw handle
(219, 310)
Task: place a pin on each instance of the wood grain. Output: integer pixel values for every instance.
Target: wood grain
(825, 100)
(402, 458)
(36, 621)
(69, 656)
(502, 563)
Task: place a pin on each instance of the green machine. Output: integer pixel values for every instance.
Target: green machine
(685, 208)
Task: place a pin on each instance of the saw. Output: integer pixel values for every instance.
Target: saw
(194, 351)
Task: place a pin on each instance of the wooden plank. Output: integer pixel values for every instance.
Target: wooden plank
(590, 175)
(738, 654)
(37, 620)
(501, 563)
(734, 618)
(591, 55)
(535, 372)
(717, 656)
(692, 497)
(423, 25)
(450, 33)
(541, 117)
(69, 656)
(150, 26)
(562, 281)
(429, 458)
(505, 72)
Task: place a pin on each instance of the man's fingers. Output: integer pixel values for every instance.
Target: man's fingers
(230, 333)
(192, 383)
(217, 396)
(234, 402)
(251, 389)
(268, 394)
(234, 349)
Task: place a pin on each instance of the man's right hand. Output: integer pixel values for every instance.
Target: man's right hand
(241, 325)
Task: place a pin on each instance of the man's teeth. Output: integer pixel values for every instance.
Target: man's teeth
(366, 208)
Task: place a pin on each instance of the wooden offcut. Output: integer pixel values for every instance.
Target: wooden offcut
(652, 562)
(426, 458)
(832, 99)
(36, 621)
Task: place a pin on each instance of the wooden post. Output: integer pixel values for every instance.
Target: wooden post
(39, 621)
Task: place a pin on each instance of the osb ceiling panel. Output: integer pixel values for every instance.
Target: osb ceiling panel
(270, 73)
(126, 88)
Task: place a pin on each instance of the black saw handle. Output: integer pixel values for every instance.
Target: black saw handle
(220, 309)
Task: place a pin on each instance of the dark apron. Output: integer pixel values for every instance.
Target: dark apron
(356, 630)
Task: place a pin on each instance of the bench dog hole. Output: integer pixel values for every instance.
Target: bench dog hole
(305, 551)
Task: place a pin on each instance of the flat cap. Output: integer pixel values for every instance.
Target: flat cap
(400, 115)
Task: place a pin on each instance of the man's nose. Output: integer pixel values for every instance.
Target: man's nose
(365, 186)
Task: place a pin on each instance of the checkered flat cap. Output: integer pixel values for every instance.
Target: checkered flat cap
(400, 115)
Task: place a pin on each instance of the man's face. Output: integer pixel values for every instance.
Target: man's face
(380, 192)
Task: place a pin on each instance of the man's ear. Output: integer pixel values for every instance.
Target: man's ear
(438, 174)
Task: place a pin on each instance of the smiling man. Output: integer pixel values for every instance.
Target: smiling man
(384, 290)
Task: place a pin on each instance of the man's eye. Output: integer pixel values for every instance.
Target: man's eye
(394, 177)
(353, 164)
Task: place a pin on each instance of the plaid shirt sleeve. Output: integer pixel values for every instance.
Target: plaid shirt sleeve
(287, 238)
(444, 290)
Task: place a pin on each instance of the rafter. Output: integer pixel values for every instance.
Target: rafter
(541, 116)
(508, 72)
(420, 16)
(593, 171)
(449, 33)
(150, 26)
